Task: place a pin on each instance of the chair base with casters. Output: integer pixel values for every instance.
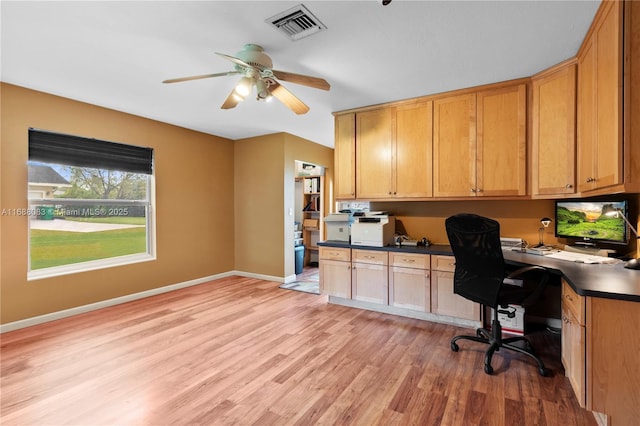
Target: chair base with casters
(494, 339)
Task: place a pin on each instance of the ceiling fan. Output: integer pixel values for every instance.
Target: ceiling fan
(256, 69)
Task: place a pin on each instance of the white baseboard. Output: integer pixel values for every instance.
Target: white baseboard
(386, 309)
(290, 279)
(16, 325)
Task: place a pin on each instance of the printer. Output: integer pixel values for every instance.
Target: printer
(338, 226)
(374, 229)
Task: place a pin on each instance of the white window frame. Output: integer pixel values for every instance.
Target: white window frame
(110, 262)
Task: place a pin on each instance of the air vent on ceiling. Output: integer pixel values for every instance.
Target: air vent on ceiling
(296, 23)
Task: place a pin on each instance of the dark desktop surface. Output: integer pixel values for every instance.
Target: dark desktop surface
(610, 281)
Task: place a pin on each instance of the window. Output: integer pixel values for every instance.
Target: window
(90, 204)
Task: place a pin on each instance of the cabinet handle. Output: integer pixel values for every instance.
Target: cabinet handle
(568, 297)
(479, 190)
(590, 179)
(409, 260)
(569, 186)
(473, 190)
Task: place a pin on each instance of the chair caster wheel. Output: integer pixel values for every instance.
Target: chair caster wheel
(544, 372)
(454, 347)
(488, 369)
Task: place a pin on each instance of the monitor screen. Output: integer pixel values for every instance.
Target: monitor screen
(583, 220)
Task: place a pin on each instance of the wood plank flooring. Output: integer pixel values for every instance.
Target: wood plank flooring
(243, 351)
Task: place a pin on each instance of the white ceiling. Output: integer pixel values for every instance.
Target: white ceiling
(115, 54)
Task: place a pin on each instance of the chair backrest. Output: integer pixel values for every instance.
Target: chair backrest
(480, 267)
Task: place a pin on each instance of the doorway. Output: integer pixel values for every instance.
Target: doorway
(308, 218)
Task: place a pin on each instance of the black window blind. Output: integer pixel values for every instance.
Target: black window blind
(78, 151)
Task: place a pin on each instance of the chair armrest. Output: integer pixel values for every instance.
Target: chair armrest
(536, 275)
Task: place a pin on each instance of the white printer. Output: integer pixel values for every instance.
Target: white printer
(374, 229)
(338, 226)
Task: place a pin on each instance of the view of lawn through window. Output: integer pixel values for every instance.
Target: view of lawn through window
(82, 214)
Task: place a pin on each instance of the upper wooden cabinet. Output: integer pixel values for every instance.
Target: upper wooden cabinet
(393, 152)
(479, 135)
(413, 151)
(454, 146)
(553, 143)
(502, 142)
(600, 68)
(345, 156)
(374, 145)
(480, 144)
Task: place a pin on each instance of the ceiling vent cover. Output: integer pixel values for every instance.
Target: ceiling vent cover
(296, 23)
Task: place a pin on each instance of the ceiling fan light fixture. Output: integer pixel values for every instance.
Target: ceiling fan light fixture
(263, 93)
(243, 88)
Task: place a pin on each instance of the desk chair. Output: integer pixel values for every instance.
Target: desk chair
(479, 276)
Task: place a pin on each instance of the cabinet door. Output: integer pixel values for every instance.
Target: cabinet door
(553, 133)
(345, 156)
(335, 278)
(454, 146)
(502, 142)
(410, 288)
(600, 102)
(369, 283)
(374, 153)
(445, 302)
(609, 98)
(586, 117)
(573, 353)
(413, 151)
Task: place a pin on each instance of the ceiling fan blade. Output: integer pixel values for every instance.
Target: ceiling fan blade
(231, 101)
(288, 98)
(198, 77)
(235, 60)
(305, 80)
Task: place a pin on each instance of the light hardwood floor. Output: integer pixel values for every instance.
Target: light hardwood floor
(243, 351)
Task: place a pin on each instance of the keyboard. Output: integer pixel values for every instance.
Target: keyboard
(580, 257)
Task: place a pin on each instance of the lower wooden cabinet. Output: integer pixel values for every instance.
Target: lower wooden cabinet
(335, 271)
(573, 341)
(443, 300)
(600, 354)
(370, 276)
(410, 281)
(414, 283)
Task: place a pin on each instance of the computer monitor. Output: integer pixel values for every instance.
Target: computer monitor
(587, 222)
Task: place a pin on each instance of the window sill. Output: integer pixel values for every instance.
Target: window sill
(57, 271)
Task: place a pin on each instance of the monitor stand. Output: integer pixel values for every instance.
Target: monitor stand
(588, 249)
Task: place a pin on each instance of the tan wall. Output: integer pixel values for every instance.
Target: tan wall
(194, 211)
(518, 219)
(259, 197)
(264, 186)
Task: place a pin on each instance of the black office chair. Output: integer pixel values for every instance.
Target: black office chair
(479, 276)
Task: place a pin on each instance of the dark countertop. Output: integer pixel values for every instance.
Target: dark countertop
(609, 281)
(432, 249)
